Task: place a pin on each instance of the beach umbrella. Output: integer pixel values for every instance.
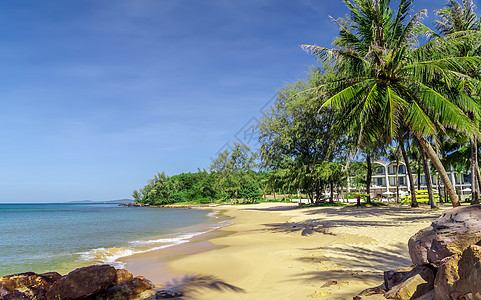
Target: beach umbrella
(467, 190)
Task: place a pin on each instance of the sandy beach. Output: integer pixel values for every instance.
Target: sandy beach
(278, 251)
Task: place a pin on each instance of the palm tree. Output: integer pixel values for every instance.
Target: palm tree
(394, 154)
(427, 176)
(401, 140)
(384, 82)
(456, 17)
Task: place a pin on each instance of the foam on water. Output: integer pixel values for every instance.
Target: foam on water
(111, 255)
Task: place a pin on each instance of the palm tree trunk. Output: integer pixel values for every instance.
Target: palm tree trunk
(414, 203)
(368, 177)
(439, 189)
(419, 173)
(427, 175)
(474, 162)
(439, 168)
(397, 181)
(478, 177)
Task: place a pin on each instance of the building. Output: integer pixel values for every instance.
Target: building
(384, 180)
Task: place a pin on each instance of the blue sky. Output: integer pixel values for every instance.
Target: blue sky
(99, 95)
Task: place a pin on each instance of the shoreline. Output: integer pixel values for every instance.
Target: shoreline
(155, 264)
(279, 251)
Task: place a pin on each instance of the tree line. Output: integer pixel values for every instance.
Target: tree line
(389, 87)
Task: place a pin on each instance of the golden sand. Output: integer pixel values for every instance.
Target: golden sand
(277, 251)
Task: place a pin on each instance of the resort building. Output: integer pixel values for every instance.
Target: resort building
(384, 183)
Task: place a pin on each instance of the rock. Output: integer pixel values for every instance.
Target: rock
(123, 276)
(132, 289)
(16, 295)
(83, 282)
(452, 233)
(428, 296)
(392, 278)
(372, 291)
(329, 283)
(417, 283)
(161, 294)
(30, 285)
(460, 276)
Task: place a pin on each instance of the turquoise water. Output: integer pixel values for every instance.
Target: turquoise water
(61, 237)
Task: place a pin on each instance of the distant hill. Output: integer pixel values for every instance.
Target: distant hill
(106, 201)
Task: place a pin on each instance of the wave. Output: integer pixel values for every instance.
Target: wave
(111, 255)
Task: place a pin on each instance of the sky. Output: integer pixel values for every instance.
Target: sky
(97, 96)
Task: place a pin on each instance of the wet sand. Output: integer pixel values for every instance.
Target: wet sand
(277, 251)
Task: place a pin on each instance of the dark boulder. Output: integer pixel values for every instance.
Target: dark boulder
(417, 282)
(166, 293)
(133, 289)
(392, 278)
(459, 277)
(123, 276)
(16, 295)
(83, 282)
(27, 285)
(452, 233)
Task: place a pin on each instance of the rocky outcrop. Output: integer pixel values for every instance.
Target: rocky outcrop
(452, 233)
(134, 204)
(414, 284)
(123, 276)
(135, 288)
(83, 282)
(27, 285)
(93, 282)
(446, 258)
(460, 276)
(393, 278)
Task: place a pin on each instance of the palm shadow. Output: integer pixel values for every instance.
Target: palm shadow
(190, 285)
(353, 264)
(305, 228)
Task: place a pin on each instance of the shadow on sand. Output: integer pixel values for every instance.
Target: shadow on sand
(305, 228)
(362, 258)
(352, 264)
(191, 285)
(283, 207)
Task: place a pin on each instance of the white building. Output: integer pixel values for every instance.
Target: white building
(384, 180)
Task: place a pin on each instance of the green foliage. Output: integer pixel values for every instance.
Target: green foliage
(198, 188)
(250, 191)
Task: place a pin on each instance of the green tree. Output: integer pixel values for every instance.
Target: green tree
(384, 82)
(229, 166)
(296, 137)
(458, 18)
(333, 173)
(394, 154)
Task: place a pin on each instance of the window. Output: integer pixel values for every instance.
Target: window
(466, 178)
(392, 169)
(380, 170)
(402, 169)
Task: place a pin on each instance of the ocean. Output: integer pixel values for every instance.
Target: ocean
(61, 237)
